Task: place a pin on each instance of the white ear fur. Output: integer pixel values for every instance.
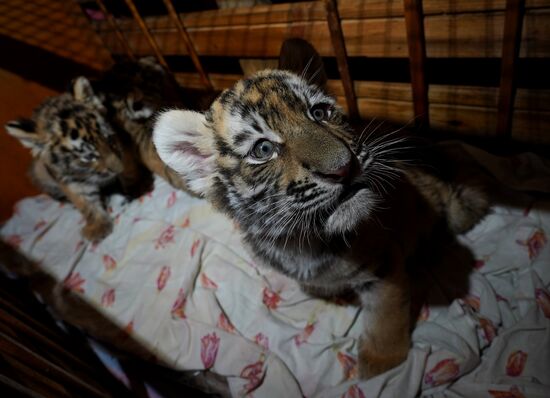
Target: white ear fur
(82, 89)
(184, 143)
(25, 131)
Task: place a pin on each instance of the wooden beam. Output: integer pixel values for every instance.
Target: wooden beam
(113, 25)
(187, 40)
(314, 11)
(145, 30)
(476, 35)
(414, 20)
(510, 51)
(339, 46)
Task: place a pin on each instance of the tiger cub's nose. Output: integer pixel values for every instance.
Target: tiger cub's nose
(343, 174)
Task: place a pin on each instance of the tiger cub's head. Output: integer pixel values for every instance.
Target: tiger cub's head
(275, 153)
(70, 134)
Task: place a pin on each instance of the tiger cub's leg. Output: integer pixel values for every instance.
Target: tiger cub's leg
(88, 201)
(386, 338)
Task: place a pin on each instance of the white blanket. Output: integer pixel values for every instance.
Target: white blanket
(175, 275)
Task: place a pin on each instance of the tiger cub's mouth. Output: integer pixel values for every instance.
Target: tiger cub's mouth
(349, 191)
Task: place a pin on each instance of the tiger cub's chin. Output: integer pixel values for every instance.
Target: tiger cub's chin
(351, 212)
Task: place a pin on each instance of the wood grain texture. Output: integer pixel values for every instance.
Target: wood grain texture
(339, 47)
(414, 20)
(510, 51)
(54, 25)
(146, 32)
(476, 35)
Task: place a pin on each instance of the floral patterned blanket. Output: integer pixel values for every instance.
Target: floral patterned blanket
(175, 276)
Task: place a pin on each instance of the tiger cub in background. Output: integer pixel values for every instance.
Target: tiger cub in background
(75, 153)
(314, 201)
(133, 92)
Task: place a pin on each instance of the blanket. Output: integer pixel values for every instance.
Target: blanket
(175, 275)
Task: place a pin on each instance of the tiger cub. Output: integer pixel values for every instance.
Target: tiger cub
(313, 200)
(132, 92)
(75, 153)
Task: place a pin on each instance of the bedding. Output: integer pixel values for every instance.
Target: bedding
(176, 277)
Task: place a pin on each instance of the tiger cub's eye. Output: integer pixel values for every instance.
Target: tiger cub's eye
(263, 150)
(321, 111)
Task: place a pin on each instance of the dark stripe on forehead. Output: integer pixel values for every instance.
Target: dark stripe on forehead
(241, 137)
(224, 149)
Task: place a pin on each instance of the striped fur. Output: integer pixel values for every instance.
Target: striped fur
(75, 153)
(335, 211)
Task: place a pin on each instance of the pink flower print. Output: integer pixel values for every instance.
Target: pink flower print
(74, 282)
(108, 262)
(354, 392)
(79, 245)
(171, 200)
(209, 349)
(129, 328)
(207, 282)
(14, 240)
(262, 340)
(194, 247)
(142, 198)
(253, 373)
(424, 313)
(108, 298)
(349, 365)
(166, 237)
(443, 372)
(302, 337)
(478, 264)
(271, 299)
(185, 223)
(543, 300)
(473, 301)
(514, 392)
(164, 274)
(535, 243)
(225, 324)
(489, 330)
(516, 363)
(178, 308)
(39, 225)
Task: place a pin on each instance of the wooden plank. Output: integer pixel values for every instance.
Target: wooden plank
(219, 81)
(487, 97)
(112, 23)
(55, 26)
(11, 347)
(462, 35)
(530, 126)
(510, 52)
(146, 32)
(314, 11)
(339, 47)
(187, 41)
(23, 329)
(40, 385)
(414, 21)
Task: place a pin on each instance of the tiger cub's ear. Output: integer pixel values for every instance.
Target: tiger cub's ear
(184, 142)
(25, 131)
(299, 56)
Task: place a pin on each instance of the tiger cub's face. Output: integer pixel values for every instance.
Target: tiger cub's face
(69, 134)
(275, 154)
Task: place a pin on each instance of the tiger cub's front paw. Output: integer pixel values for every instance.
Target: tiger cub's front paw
(97, 229)
(373, 362)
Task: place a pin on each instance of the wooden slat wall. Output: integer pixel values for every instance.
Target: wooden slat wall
(370, 28)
